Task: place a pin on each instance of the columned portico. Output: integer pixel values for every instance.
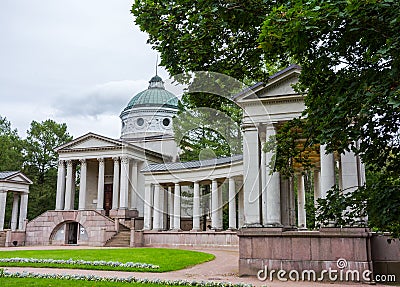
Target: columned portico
(199, 197)
(18, 184)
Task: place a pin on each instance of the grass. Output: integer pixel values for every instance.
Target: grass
(167, 259)
(8, 282)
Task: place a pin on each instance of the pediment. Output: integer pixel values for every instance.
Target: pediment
(17, 177)
(89, 141)
(280, 84)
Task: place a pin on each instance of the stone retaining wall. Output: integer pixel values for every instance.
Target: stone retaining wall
(277, 249)
(385, 253)
(185, 238)
(98, 227)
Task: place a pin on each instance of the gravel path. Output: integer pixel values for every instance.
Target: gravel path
(223, 268)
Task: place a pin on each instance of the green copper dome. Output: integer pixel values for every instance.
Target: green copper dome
(155, 95)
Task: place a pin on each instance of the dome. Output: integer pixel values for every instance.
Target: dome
(155, 95)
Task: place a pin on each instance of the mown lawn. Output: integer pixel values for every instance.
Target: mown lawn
(167, 259)
(22, 282)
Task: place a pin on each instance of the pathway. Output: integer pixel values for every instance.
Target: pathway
(223, 268)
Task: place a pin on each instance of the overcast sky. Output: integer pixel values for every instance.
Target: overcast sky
(75, 61)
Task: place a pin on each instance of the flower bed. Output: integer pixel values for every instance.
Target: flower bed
(131, 279)
(80, 262)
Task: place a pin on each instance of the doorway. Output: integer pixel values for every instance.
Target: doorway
(108, 195)
(71, 235)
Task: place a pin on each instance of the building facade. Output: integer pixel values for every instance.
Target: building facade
(135, 181)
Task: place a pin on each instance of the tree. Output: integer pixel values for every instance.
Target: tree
(11, 157)
(349, 52)
(204, 35)
(211, 36)
(41, 163)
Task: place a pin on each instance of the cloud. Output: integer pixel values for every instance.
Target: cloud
(105, 99)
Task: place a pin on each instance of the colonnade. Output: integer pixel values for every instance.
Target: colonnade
(19, 209)
(276, 193)
(124, 182)
(164, 200)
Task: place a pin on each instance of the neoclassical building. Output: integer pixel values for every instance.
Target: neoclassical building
(134, 191)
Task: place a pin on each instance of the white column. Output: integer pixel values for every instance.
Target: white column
(3, 199)
(23, 210)
(69, 186)
(349, 172)
(147, 206)
(232, 203)
(273, 187)
(60, 197)
(82, 185)
(157, 207)
(215, 205)
(196, 206)
(14, 214)
(251, 164)
(241, 207)
(123, 197)
(177, 207)
(163, 208)
(317, 186)
(171, 208)
(327, 176)
(116, 178)
(100, 185)
(264, 183)
(134, 184)
(301, 202)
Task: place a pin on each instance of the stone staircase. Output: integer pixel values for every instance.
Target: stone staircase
(121, 239)
(2, 238)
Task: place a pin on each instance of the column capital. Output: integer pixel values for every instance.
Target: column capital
(100, 159)
(115, 159)
(125, 159)
(61, 163)
(83, 161)
(69, 162)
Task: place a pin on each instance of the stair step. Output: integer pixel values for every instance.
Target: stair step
(122, 239)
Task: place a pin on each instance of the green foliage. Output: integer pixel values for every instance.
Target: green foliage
(204, 133)
(11, 155)
(349, 52)
(217, 36)
(341, 209)
(383, 195)
(41, 163)
(350, 56)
